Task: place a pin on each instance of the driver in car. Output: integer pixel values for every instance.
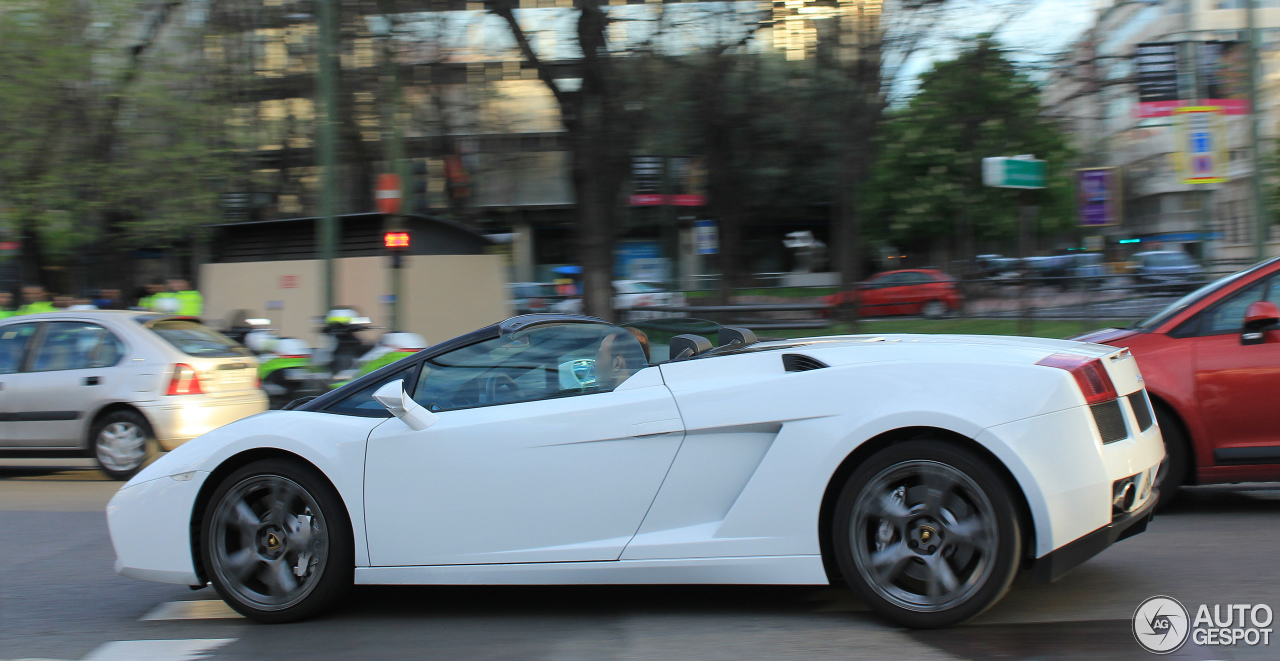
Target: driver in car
(620, 355)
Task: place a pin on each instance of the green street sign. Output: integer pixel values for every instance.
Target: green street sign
(1014, 172)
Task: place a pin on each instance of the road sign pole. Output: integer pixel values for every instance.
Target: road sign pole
(328, 152)
(1026, 247)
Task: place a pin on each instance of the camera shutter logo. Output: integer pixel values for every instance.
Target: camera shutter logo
(1161, 625)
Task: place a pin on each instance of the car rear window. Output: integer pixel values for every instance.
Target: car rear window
(196, 339)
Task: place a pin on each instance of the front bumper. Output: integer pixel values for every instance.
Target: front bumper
(178, 419)
(1053, 566)
(150, 525)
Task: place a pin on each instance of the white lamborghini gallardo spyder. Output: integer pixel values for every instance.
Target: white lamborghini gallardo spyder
(923, 471)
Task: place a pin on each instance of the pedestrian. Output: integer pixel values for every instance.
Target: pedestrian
(189, 302)
(6, 304)
(109, 299)
(149, 299)
(35, 300)
(79, 304)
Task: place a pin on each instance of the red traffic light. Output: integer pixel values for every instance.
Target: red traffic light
(396, 240)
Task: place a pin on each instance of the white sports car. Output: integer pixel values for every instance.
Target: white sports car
(923, 471)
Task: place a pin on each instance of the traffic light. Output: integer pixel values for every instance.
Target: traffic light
(396, 240)
(396, 244)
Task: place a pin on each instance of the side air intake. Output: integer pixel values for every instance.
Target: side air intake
(796, 362)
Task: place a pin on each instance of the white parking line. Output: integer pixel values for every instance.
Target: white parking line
(193, 649)
(157, 650)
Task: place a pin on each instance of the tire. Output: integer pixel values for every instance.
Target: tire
(933, 309)
(122, 443)
(917, 516)
(254, 541)
(1175, 468)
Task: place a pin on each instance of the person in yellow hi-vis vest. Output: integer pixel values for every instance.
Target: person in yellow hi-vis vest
(35, 300)
(148, 302)
(189, 301)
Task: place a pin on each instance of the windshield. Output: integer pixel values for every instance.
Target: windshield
(1190, 299)
(1168, 259)
(196, 339)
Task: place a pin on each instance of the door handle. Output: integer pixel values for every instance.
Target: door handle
(91, 380)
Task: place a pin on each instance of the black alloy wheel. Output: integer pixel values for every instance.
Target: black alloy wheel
(926, 534)
(276, 541)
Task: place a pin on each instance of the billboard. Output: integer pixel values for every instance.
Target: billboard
(646, 181)
(1218, 69)
(1156, 65)
(688, 181)
(1200, 137)
(1098, 196)
(685, 175)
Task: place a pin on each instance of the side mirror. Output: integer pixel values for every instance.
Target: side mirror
(1257, 318)
(401, 405)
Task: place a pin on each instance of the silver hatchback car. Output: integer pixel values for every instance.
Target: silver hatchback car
(117, 384)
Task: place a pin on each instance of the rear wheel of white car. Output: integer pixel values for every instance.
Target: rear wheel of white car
(926, 534)
(121, 443)
(276, 542)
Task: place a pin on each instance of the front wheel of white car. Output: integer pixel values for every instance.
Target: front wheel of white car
(276, 542)
(926, 534)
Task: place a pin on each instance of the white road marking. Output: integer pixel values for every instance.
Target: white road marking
(202, 609)
(191, 649)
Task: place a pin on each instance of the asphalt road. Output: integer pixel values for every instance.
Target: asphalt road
(59, 599)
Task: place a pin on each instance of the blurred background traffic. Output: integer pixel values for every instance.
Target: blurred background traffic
(435, 165)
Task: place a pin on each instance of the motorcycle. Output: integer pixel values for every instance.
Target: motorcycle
(284, 363)
(390, 348)
(342, 346)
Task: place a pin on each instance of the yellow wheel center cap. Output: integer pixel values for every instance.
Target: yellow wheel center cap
(273, 542)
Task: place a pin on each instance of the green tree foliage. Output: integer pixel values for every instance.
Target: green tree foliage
(928, 181)
(107, 133)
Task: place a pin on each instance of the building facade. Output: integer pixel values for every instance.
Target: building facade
(1095, 91)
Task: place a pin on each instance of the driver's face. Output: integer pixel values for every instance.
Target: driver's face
(610, 369)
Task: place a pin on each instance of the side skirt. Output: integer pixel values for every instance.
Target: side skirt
(762, 570)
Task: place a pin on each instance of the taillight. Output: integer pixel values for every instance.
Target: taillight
(1095, 384)
(185, 381)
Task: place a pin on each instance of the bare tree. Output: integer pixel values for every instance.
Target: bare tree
(600, 132)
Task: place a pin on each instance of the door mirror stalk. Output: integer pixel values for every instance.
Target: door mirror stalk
(398, 403)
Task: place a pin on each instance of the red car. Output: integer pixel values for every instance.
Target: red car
(928, 292)
(1211, 361)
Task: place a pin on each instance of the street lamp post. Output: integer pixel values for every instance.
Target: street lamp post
(326, 79)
